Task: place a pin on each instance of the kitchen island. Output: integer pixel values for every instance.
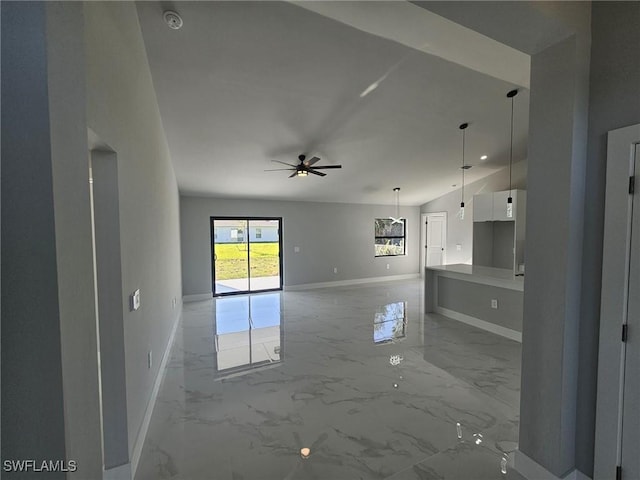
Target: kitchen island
(485, 297)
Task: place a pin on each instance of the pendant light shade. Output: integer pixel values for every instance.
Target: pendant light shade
(464, 167)
(397, 218)
(511, 95)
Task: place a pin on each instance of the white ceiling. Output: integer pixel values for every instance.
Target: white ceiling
(244, 83)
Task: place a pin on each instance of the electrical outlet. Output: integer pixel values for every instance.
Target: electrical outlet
(149, 359)
(458, 247)
(296, 249)
(494, 303)
(335, 269)
(388, 266)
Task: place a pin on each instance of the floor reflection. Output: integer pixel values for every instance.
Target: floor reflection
(248, 332)
(390, 323)
(429, 398)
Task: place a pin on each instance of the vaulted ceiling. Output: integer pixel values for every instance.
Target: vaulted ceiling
(244, 83)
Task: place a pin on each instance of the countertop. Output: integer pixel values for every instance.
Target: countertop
(498, 277)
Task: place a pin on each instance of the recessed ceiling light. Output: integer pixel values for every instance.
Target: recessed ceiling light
(483, 157)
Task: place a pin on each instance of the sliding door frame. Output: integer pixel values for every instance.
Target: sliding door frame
(213, 254)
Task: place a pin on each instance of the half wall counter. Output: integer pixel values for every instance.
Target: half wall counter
(484, 297)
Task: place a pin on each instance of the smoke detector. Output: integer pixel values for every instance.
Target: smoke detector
(173, 19)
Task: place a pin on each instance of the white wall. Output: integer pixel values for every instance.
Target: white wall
(328, 234)
(122, 110)
(461, 231)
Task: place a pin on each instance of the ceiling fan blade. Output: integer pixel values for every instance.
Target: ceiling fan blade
(278, 169)
(319, 441)
(293, 174)
(308, 470)
(295, 468)
(284, 163)
(311, 161)
(320, 174)
(327, 166)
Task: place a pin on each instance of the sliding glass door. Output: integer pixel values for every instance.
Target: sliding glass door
(246, 255)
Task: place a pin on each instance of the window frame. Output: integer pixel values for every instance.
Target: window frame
(403, 237)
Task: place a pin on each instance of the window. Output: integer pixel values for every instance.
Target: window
(258, 233)
(390, 237)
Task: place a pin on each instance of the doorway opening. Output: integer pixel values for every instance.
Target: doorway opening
(107, 260)
(246, 254)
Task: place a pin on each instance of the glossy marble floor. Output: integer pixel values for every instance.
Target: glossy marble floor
(359, 375)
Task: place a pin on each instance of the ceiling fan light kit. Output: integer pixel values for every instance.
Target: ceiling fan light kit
(397, 218)
(304, 168)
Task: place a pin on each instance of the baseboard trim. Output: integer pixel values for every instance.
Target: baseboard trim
(142, 433)
(355, 281)
(484, 325)
(118, 473)
(197, 298)
(532, 470)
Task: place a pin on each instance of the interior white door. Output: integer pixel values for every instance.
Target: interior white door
(436, 228)
(631, 393)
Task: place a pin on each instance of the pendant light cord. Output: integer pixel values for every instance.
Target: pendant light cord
(511, 94)
(397, 192)
(463, 128)
(463, 133)
(511, 147)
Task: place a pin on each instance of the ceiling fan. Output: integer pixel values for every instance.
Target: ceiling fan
(304, 168)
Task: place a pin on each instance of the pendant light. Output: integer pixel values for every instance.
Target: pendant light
(510, 95)
(464, 167)
(397, 218)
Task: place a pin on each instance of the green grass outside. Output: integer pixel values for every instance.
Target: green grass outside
(231, 260)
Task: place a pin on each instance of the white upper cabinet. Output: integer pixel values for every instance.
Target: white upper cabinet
(483, 207)
(492, 206)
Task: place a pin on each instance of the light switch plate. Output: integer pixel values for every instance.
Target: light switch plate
(296, 249)
(135, 300)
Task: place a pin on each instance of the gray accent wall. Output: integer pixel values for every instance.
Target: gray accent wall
(328, 235)
(474, 299)
(556, 195)
(493, 244)
(461, 231)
